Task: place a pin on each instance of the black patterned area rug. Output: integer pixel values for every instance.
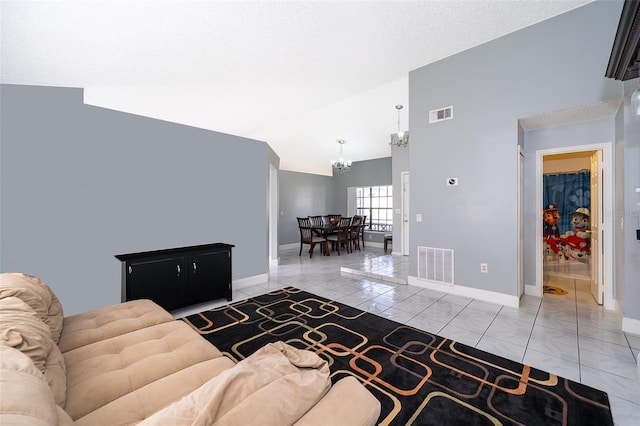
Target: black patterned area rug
(420, 378)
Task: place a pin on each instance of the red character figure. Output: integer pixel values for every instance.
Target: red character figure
(577, 245)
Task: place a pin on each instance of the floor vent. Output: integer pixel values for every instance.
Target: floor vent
(436, 265)
(441, 114)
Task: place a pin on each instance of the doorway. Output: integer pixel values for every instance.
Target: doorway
(569, 248)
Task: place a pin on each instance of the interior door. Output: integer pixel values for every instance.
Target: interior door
(405, 214)
(597, 176)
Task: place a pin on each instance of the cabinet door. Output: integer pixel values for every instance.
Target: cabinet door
(209, 276)
(161, 280)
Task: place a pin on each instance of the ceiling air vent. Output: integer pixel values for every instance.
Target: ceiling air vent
(441, 114)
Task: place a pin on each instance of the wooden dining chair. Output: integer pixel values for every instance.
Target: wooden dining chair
(362, 226)
(341, 237)
(316, 221)
(335, 217)
(354, 232)
(307, 236)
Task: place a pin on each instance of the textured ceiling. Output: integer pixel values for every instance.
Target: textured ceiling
(298, 75)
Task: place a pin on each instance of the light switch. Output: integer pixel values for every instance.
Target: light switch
(418, 217)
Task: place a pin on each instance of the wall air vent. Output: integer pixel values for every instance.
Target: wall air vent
(441, 114)
(435, 265)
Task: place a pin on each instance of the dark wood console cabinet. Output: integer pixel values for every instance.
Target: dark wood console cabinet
(178, 277)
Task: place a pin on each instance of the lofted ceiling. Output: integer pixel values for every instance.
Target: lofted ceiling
(296, 74)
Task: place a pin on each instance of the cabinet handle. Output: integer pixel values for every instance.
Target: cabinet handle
(178, 270)
(194, 267)
(130, 269)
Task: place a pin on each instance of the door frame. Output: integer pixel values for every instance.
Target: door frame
(404, 213)
(606, 222)
(521, 286)
(273, 210)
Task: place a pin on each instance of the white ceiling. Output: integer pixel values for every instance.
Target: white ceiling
(296, 74)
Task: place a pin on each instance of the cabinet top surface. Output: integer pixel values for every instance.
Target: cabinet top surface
(177, 250)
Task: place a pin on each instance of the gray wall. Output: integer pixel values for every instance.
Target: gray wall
(80, 184)
(303, 194)
(363, 173)
(554, 65)
(590, 132)
(631, 213)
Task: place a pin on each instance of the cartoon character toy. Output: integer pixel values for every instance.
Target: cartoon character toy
(551, 233)
(576, 245)
(551, 218)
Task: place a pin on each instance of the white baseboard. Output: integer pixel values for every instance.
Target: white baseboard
(250, 281)
(373, 244)
(476, 293)
(630, 325)
(532, 290)
(288, 246)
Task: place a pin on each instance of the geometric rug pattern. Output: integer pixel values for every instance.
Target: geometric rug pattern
(419, 378)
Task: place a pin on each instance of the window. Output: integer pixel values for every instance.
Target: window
(376, 202)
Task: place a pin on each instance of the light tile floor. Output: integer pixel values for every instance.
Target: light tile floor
(569, 335)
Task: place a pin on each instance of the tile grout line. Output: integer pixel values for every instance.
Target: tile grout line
(575, 298)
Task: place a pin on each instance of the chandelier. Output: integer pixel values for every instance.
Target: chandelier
(341, 165)
(400, 138)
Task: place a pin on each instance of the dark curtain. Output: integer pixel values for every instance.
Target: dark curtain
(568, 191)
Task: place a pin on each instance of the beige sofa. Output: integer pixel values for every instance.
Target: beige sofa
(133, 363)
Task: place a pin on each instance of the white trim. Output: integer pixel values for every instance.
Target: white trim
(532, 290)
(607, 262)
(373, 244)
(476, 293)
(405, 207)
(250, 281)
(274, 262)
(631, 325)
(352, 193)
(289, 246)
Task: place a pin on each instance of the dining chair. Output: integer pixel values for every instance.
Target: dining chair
(308, 237)
(335, 217)
(341, 236)
(362, 226)
(316, 221)
(354, 232)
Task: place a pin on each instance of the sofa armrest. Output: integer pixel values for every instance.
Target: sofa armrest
(347, 402)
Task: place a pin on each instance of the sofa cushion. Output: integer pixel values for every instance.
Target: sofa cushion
(110, 321)
(136, 406)
(55, 374)
(25, 397)
(362, 409)
(36, 294)
(104, 371)
(22, 329)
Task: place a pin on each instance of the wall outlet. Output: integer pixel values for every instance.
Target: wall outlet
(484, 268)
(418, 217)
